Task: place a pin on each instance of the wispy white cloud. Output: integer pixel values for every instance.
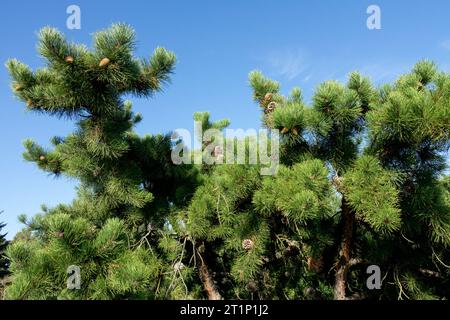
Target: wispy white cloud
(445, 44)
(289, 63)
(378, 72)
(383, 72)
(297, 64)
(307, 77)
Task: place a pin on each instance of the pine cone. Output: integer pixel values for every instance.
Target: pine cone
(69, 59)
(270, 107)
(268, 97)
(18, 87)
(285, 130)
(104, 62)
(247, 244)
(42, 158)
(252, 286)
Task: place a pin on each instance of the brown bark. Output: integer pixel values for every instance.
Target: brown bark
(430, 273)
(344, 263)
(207, 280)
(208, 284)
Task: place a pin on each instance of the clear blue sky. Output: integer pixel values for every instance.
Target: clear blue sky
(217, 42)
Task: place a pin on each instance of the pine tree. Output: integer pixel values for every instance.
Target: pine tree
(3, 259)
(360, 183)
(117, 231)
(4, 262)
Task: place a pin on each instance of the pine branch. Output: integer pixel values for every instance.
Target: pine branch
(430, 273)
(344, 263)
(206, 278)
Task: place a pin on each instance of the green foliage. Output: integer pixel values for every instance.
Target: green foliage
(108, 268)
(262, 86)
(301, 193)
(76, 81)
(361, 181)
(291, 116)
(216, 201)
(359, 184)
(364, 89)
(373, 195)
(4, 263)
(128, 184)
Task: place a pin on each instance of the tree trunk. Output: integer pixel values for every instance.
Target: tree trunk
(343, 265)
(207, 279)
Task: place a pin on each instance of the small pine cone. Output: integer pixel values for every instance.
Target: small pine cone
(29, 103)
(295, 131)
(18, 87)
(69, 59)
(60, 234)
(42, 158)
(268, 97)
(247, 244)
(270, 107)
(104, 62)
(285, 130)
(252, 286)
